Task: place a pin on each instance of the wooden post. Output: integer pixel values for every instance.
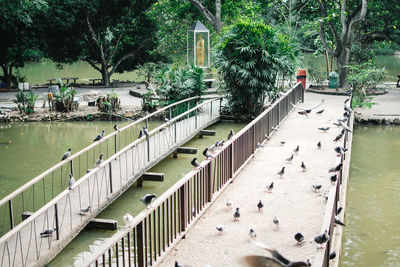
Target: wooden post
(183, 207)
(11, 214)
(56, 217)
(140, 243)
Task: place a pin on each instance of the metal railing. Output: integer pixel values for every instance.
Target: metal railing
(24, 245)
(40, 190)
(322, 257)
(154, 231)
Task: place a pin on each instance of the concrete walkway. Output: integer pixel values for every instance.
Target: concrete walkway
(298, 207)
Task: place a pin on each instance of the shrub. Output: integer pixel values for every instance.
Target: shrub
(26, 101)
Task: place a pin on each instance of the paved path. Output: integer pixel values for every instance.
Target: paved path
(293, 201)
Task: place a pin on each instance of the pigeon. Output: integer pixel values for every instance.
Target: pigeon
(128, 220)
(140, 134)
(342, 120)
(336, 124)
(276, 222)
(252, 234)
(85, 211)
(281, 172)
(347, 108)
(71, 181)
(308, 110)
(350, 91)
(274, 259)
(220, 228)
(303, 166)
(320, 111)
(221, 143)
(333, 178)
(336, 168)
(99, 137)
(230, 134)
(347, 100)
(326, 196)
(299, 238)
(214, 147)
(316, 187)
(146, 132)
(339, 210)
(166, 119)
(66, 155)
(228, 203)
(337, 138)
(283, 143)
(260, 205)
(147, 199)
(195, 163)
(48, 232)
(289, 160)
(236, 215)
(347, 128)
(296, 150)
(340, 150)
(206, 153)
(179, 265)
(346, 114)
(99, 161)
(259, 145)
(270, 187)
(332, 255)
(322, 238)
(319, 145)
(324, 129)
(338, 221)
(303, 112)
(116, 128)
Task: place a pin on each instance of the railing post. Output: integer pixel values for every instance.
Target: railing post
(170, 113)
(183, 208)
(195, 118)
(210, 181)
(175, 131)
(148, 148)
(56, 217)
(211, 110)
(111, 187)
(72, 167)
(115, 144)
(11, 214)
(140, 243)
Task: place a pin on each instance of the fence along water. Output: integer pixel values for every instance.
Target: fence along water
(23, 245)
(155, 231)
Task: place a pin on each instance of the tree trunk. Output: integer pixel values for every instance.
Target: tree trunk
(7, 73)
(105, 75)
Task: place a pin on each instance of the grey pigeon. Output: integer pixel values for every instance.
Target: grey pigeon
(299, 238)
(281, 172)
(289, 160)
(347, 128)
(252, 234)
(147, 199)
(303, 166)
(336, 168)
(206, 153)
(230, 134)
(270, 187)
(322, 238)
(276, 222)
(283, 143)
(85, 211)
(236, 215)
(339, 210)
(260, 205)
(340, 150)
(99, 161)
(99, 137)
(332, 255)
(336, 124)
(324, 129)
(140, 134)
(297, 149)
(337, 138)
(146, 132)
(195, 163)
(67, 154)
(320, 111)
(220, 228)
(71, 181)
(338, 221)
(319, 145)
(48, 232)
(116, 128)
(306, 111)
(228, 203)
(333, 178)
(316, 187)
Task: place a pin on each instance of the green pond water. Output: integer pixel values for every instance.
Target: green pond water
(35, 147)
(372, 232)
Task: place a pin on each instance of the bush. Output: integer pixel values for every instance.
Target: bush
(110, 103)
(64, 102)
(26, 101)
(250, 57)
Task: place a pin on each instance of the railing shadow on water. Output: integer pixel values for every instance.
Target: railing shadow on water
(154, 231)
(26, 244)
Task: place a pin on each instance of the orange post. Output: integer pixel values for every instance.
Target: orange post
(302, 77)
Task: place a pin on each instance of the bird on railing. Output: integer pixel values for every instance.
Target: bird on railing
(221, 143)
(340, 150)
(316, 187)
(320, 111)
(303, 166)
(281, 172)
(338, 221)
(140, 134)
(99, 161)
(342, 120)
(146, 132)
(270, 187)
(322, 238)
(260, 205)
(339, 210)
(71, 181)
(147, 199)
(166, 119)
(290, 159)
(336, 168)
(319, 145)
(347, 128)
(340, 136)
(99, 136)
(324, 129)
(207, 153)
(67, 154)
(332, 255)
(128, 220)
(252, 234)
(296, 150)
(195, 163)
(336, 124)
(220, 228)
(299, 238)
(230, 134)
(236, 215)
(273, 259)
(116, 128)
(333, 178)
(276, 223)
(85, 211)
(48, 232)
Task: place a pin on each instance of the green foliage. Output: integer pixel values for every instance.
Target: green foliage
(148, 103)
(64, 102)
(359, 55)
(26, 101)
(180, 83)
(250, 57)
(364, 77)
(149, 70)
(110, 103)
(385, 47)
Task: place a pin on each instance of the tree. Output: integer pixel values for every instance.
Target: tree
(250, 57)
(351, 13)
(112, 36)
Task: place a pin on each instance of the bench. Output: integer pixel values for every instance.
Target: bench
(63, 79)
(97, 79)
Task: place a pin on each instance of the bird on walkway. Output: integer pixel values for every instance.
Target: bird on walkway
(289, 159)
(332, 255)
(99, 137)
(48, 232)
(326, 196)
(116, 128)
(342, 120)
(347, 128)
(303, 166)
(299, 238)
(273, 259)
(67, 154)
(283, 143)
(322, 238)
(147, 199)
(303, 112)
(339, 210)
(140, 134)
(236, 215)
(281, 172)
(128, 220)
(340, 136)
(333, 178)
(207, 153)
(146, 132)
(85, 211)
(319, 145)
(270, 187)
(230, 134)
(71, 181)
(336, 168)
(276, 223)
(195, 163)
(338, 221)
(252, 234)
(179, 265)
(336, 124)
(308, 110)
(324, 129)
(296, 150)
(316, 187)
(260, 205)
(220, 228)
(320, 111)
(340, 150)
(99, 161)
(228, 203)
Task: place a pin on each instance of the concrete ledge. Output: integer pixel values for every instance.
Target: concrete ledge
(207, 133)
(105, 224)
(153, 176)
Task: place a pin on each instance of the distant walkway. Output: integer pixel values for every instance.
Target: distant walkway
(293, 201)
